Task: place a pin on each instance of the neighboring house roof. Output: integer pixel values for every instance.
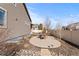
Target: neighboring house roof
(27, 11)
(73, 25)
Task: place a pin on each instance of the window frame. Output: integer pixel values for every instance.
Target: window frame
(5, 19)
(15, 5)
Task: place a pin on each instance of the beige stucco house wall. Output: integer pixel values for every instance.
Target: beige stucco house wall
(18, 21)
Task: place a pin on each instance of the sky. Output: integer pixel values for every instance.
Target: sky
(64, 13)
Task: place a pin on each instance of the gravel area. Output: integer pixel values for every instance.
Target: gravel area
(29, 50)
(9, 49)
(65, 50)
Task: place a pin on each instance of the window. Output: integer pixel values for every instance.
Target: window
(77, 27)
(14, 4)
(3, 20)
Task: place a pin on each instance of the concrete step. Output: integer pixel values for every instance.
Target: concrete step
(45, 52)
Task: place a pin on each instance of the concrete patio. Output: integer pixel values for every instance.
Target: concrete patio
(47, 42)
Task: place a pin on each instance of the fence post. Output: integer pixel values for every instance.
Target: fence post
(71, 34)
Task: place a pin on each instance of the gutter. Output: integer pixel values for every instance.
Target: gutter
(27, 11)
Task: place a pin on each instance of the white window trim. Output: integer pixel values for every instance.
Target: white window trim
(5, 22)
